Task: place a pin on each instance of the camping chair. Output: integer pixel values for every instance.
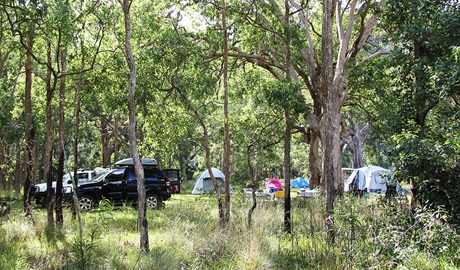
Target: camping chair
(279, 194)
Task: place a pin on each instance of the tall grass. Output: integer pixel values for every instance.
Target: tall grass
(186, 235)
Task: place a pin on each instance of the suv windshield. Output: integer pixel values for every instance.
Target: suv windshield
(82, 177)
(99, 177)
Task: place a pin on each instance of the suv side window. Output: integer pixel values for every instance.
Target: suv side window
(154, 173)
(149, 174)
(115, 176)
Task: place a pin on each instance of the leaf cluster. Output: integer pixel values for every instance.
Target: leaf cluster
(430, 165)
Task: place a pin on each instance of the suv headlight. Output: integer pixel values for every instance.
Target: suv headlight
(67, 190)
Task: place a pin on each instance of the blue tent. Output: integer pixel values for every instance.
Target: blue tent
(299, 182)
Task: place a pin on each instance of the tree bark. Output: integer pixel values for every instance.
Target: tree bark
(60, 174)
(329, 125)
(116, 140)
(254, 185)
(313, 155)
(290, 75)
(287, 172)
(76, 138)
(105, 142)
(226, 158)
(357, 143)
(29, 157)
(50, 87)
(18, 175)
(139, 170)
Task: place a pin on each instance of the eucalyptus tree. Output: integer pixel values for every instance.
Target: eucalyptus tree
(196, 96)
(157, 63)
(143, 223)
(227, 147)
(20, 24)
(88, 26)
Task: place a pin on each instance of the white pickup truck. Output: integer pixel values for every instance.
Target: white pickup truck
(39, 191)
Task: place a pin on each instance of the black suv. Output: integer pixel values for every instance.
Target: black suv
(119, 186)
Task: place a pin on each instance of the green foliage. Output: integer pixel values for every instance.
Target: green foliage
(82, 252)
(405, 234)
(430, 165)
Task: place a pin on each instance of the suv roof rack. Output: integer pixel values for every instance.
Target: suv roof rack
(130, 162)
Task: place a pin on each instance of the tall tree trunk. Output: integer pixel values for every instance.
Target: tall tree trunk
(290, 74)
(18, 168)
(208, 157)
(313, 155)
(76, 138)
(357, 143)
(329, 130)
(116, 139)
(211, 174)
(287, 172)
(105, 142)
(50, 86)
(226, 157)
(60, 173)
(255, 186)
(143, 223)
(314, 160)
(29, 157)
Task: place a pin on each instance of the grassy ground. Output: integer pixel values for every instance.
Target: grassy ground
(186, 235)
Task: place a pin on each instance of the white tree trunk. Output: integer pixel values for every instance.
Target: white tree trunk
(139, 170)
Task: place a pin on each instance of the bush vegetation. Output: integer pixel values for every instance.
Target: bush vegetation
(370, 234)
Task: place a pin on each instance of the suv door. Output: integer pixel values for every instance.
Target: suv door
(174, 179)
(131, 185)
(113, 187)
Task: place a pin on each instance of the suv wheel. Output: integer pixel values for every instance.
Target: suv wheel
(153, 201)
(85, 202)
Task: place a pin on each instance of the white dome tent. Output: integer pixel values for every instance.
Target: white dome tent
(204, 184)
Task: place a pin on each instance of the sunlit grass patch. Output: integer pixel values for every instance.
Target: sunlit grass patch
(186, 234)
